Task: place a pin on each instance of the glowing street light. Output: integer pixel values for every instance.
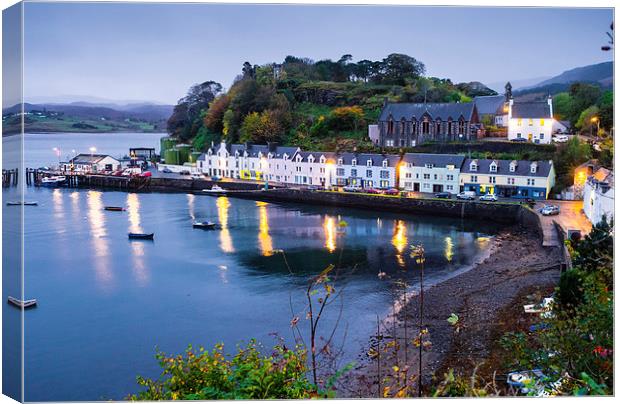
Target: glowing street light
(93, 149)
(595, 120)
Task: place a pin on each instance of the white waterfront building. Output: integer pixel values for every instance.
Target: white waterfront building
(421, 172)
(532, 121)
(91, 163)
(598, 196)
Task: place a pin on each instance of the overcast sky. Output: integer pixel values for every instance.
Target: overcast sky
(156, 51)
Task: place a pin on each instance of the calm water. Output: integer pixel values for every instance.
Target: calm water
(106, 303)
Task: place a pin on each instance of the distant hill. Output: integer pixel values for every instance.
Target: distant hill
(600, 74)
(86, 116)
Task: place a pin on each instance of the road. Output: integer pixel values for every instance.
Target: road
(571, 217)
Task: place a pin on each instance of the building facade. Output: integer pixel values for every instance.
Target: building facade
(532, 121)
(411, 124)
(91, 163)
(598, 196)
(420, 172)
(508, 178)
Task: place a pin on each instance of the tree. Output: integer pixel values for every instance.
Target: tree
(562, 106)
(248, 70)
(583, 95)
(185, 121)
(585, 118)
(215, 115)
(398, 67)
(347, 118)
(261, 127)
(606, 109)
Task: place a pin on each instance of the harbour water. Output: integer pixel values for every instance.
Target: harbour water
(106, 304)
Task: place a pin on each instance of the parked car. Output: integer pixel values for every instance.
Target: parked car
(560, 138)
(185, 172)
(351, 188)
(466, 195)
(519, 139)
(166, 170)
(443, 195)
(146, 174)
(550, 210)
(216, 178)
(372, 191)
(391, 191)
(313, 187)
(488, 198)
(197, 177)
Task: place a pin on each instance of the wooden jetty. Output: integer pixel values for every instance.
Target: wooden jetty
(10, 177)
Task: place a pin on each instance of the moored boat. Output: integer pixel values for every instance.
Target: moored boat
(217, 190)
(53, 181)
(205, 225)
(141, 236)
(25, 203)
(23, 304)
(114, 208)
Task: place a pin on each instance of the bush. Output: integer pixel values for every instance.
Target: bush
(249, 374)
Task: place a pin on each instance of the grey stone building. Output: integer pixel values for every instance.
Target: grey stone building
(411, 124)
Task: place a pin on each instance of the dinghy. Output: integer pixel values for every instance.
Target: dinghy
(114, 208)
(205, 225)
(141, 236)
(25, 203)
(23, 304)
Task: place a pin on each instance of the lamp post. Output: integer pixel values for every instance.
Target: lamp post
(593, 120)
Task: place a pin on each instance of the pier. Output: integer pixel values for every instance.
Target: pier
(10, 177)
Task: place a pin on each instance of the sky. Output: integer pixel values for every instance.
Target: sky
(155, 52)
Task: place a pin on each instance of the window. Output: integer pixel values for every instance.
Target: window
(322, 160)
(530, 181)
(368, 173)
(438, 127)
(385, 163)
(407, 175)
(425, 127)
(435, 176)
(511, 181)
(461, 127)
(533, 168)
(513, 167)
(413, 143)
(384, 174)
(426, 185)
(427, 176)
(340, 172)
(492, 180)
(402, 126)
(390, 126)
(389, 143)
(429, 165)
(339, 162)
(542, 122)
(473, 178)
(473, 167)
(369, 163)
(542, 136)
(449, 187)
(353, 172)
(354, 162)
(450, 177)
(518, 136)
(493, 168)
(449, 127)
(322, 170)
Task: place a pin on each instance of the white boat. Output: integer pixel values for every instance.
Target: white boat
(205, 225)
(23, 304)
(53, 181)
(215, 190)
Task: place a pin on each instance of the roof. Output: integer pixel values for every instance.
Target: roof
(89, 158)
(503, 167)
(443, 110)
(603, 175)
(253, 150)
(377, 159)
(489, 104)
(437, 160)
(536, 109)
(317, 155)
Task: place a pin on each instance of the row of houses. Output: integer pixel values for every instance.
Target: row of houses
(416, 172)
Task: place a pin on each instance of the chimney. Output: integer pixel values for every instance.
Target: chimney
(550, 102)
(385, 101)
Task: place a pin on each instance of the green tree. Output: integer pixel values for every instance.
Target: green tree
(585, 119)
(562, 106)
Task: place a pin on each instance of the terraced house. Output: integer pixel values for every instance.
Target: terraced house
(421, 172)
(506, 178)
(531, 121)
(367, 170)
(411, 124)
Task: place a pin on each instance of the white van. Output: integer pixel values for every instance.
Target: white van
(466, 195)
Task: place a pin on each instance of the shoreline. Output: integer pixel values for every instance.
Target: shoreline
(515, 262)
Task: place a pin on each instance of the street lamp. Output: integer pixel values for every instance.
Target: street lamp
(92, 150)
(594, 120)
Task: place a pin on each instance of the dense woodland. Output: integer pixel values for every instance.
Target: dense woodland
(317, 105)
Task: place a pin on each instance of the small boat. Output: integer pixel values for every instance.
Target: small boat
(215, 190)
(114, 208)
(53, 181)
(141, 236)
(205, 225)
(25, 203)
(22, 304)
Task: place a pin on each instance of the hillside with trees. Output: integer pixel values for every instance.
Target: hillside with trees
(321, 104)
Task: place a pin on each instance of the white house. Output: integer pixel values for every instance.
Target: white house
(367, 170)
(421, 172)
(314, 168)
(598, 196)
(506, 178)
(91, 163)
(532, 121)
(373, 134)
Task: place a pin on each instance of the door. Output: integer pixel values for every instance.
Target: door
(437, 188)
(416, 187)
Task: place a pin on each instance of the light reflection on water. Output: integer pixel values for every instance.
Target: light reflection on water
(399, 241)
(96, 220)
(139, 269)
(226, 243)
(264, 239)
(329, 226)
